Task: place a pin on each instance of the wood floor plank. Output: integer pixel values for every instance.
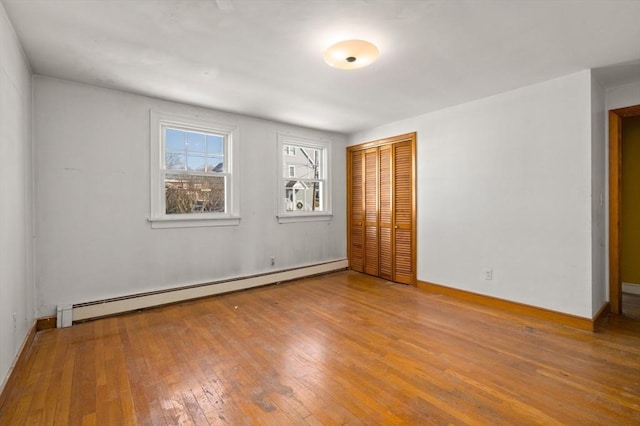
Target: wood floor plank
(63, 401)
(343, 348)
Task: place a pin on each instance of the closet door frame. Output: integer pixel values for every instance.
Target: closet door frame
(408, 137)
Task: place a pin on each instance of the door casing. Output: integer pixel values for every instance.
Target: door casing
(615, 203)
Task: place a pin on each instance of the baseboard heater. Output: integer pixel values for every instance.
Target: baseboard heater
(117, 305)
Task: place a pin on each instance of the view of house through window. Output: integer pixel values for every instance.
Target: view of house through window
(304, 178)
(194, 172)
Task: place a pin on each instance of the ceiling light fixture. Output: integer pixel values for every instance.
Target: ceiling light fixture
(351, 54)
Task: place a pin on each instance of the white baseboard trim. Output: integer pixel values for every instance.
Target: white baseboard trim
(631, 288)
(85, 311)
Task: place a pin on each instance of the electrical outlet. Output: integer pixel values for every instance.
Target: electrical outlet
(488, 274)
(273, 261)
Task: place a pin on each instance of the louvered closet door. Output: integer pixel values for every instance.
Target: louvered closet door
(403, 208)
(356, 219)
(386, 214)
(371, 211)
(381, 208)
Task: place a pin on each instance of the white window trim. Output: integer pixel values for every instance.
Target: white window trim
(158, 217)
(285, 216)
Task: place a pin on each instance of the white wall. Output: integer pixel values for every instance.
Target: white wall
(16, 253)
(505, 182)
(94, 241)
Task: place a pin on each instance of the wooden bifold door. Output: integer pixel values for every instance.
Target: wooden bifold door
(381, 208)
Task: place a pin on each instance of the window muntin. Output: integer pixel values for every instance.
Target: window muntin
(192, 172)
(303, 180)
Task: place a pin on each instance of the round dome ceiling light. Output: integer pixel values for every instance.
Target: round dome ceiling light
(351, 54)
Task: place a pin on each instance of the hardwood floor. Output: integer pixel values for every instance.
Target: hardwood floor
(343, 348)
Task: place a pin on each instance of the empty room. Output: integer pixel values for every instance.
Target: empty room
(322, 212)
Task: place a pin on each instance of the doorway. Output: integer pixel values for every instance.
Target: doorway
(617, 120)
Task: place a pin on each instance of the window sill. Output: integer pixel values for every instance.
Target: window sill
(292, 218)
(193, 222)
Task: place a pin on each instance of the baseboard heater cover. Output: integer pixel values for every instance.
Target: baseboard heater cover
(117, 305)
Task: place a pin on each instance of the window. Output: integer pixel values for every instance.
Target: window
(192, 172)
(303, 179)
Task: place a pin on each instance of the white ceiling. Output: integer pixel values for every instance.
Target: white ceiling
(264, 58)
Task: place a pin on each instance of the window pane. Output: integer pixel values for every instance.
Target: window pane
(215, 144)
(312, 163)
(303, 196)
(306, 171)
(215, 164)
(174, 140)
(307, 163)
(195, 163)
(174, 161)
(194, 194)
(196, 142)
